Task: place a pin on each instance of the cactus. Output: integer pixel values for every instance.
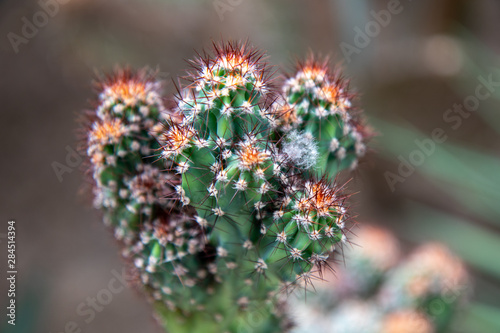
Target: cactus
(369, 262)
(407, 321)
(432, 279)
(355, 316)
(219, 205)
(319, 101)
(379, 291)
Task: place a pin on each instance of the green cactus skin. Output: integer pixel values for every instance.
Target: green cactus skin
(218, 204)
(319, 102)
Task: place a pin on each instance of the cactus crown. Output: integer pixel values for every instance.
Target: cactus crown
(217, 201)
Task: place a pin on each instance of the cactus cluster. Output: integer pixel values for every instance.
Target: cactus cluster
(380, 291)
(225, 200)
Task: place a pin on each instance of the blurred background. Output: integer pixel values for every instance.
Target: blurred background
(422, 61)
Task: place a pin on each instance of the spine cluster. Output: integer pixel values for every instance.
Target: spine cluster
(225, 199)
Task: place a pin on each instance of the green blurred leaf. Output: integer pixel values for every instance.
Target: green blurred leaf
(479, 318)
(468, 176)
